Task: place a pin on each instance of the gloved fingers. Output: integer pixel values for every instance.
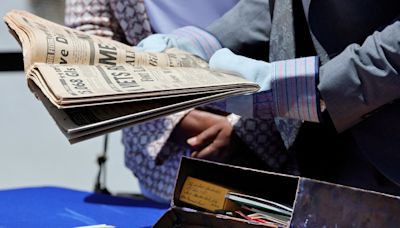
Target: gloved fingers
(153, 43)
(225, 60)
(188, 45)
(161, 42)
(138, 49)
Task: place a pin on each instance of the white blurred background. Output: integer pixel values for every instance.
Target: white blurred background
(33, 152)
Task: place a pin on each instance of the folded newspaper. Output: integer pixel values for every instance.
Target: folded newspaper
(92, 85)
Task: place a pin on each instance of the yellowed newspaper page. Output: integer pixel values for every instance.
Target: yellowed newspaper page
(87, 122)
(69, 86)
(92, 85)
(47, 42)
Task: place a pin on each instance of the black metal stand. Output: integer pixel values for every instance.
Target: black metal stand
(100, 185)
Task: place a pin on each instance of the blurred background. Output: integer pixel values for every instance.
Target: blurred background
(33, 152)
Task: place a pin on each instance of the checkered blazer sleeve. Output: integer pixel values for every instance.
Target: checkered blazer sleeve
(93, 17)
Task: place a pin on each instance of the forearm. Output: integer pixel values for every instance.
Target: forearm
(153, 137)
(362, 78)
(294, 89)
(351, 85)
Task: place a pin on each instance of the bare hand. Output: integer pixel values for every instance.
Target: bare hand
(214, 143)
(195, 122)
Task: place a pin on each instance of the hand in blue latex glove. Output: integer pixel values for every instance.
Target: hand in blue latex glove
(253, 70)
(161, 42)
(190, 39)
(294, 95)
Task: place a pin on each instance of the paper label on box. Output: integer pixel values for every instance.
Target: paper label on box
(203, 194)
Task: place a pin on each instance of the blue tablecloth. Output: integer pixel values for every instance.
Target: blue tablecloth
(60, 207)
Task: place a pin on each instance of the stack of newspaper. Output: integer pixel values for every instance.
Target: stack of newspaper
(92, 85)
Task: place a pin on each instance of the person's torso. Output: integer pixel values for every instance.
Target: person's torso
(338, 23)
(335, 24)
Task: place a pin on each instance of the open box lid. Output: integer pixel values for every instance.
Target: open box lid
(315, 203)
(321, 204)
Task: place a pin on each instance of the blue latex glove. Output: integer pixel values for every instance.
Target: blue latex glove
(253, 70)
(161, 42)
(285, 100)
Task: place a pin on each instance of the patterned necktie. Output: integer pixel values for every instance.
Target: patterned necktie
(132, 18)
(282, 46)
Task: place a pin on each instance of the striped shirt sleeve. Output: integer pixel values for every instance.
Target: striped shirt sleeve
(294, 88)
(200, 38)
